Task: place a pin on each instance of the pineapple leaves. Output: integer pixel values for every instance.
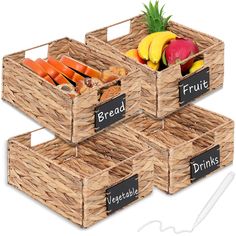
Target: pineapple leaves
(166, 20)
(162, 11)
(154, 16)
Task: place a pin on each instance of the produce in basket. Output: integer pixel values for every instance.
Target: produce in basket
(37, 69)
(133, 53)
(151, 46)
(52, 72)
(112, 73)
(110, 92)
(80, 67)
(74, 77)
(153, 65)
(65, 70)
(68, 88)
(108, 76)
(196, 66)
(179, 50)
(120, 71)
(158, 43)
(154, 16)
(161, 48)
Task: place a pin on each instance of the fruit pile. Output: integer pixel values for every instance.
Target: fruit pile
(162, 48)
(74, 77)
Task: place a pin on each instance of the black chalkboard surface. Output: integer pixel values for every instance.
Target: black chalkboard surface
(122, 194)
(194, 86)
(110, 112)
(205, 163)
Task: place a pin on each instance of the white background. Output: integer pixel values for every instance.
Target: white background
(29, 23)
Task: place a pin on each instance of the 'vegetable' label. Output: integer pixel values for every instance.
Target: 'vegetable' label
(205, 163)
(122, 194)
(194, 86)
(110, 112)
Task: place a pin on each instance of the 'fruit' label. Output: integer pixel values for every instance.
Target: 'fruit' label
(122, 194)
(205, 163)
(194, 86)
(110, 112)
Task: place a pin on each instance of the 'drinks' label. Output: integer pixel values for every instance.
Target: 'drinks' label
(205, 163)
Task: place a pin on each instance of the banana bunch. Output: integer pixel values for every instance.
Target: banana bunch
(151, 47)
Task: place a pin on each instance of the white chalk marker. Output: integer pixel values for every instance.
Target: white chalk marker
(205, 210)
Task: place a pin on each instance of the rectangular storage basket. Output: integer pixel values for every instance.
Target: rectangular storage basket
(71, 119)
(183, 141)
(75, 181)
(161, 90)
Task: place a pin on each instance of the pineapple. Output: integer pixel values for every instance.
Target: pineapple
(155, 19)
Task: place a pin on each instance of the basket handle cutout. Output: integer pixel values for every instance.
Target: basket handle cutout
(41, 136)
(37, 52)
(118, 30)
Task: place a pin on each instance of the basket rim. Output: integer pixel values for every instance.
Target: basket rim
(70, 40)
(152, 141)
(217, 43)
(14, 140)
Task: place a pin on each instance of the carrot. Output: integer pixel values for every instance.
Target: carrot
(49, 79)
(36, 68)
(93, 73)
(60, 79)
(60, 67)
(63, 69)
(47, 67)
(77, 78)
(57, 77)
(81, 67)
(75, 65)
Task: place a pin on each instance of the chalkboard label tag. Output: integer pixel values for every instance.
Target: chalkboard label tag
(122, 194)
(205, 163)
(194, 86)
(110, 112)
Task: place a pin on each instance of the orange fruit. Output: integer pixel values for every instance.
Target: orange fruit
(133, 53)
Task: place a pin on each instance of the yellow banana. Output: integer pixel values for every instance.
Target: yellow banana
(196, 66)
(143, 47)
(157, 44)
(153, 66)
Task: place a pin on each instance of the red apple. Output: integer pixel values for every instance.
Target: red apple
(178, 50)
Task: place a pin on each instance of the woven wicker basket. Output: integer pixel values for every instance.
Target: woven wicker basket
(160, 90)
(73, 180)
(71, 119)
(179, 138)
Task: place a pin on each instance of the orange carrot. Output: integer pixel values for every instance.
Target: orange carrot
(81, 67)
(93, 73)
(74, 64)
(63, 69)
(60, 79)
(47, 67)
(35, 67)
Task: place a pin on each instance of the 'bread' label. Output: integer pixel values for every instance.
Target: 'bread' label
(122, 194)
(205, 163)
(110, 112)
(194, 86)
